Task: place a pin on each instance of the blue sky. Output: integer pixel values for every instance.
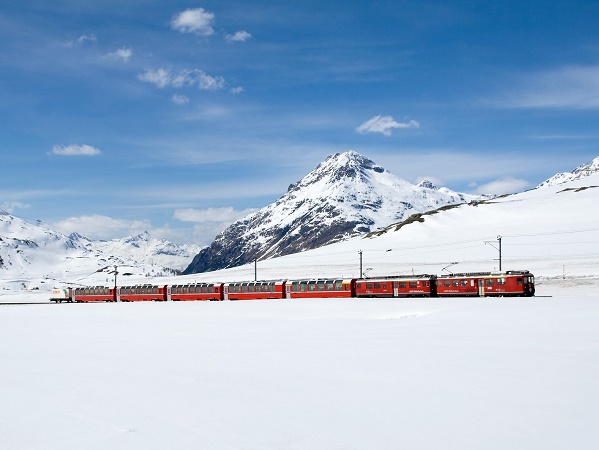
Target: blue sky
(178, 117)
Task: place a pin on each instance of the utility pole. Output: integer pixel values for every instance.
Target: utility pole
(499, 239)
(115, 273)
(497, 248)
(255, 269)
(361, 274)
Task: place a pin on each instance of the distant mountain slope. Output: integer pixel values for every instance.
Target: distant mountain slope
(580, 172)
(143, 248)
(31, 254)
(345, 196)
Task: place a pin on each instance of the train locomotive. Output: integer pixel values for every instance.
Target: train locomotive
(475, 284)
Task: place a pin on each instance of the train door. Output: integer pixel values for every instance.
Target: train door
(481, 287)
(395, 290)
(226, 291)
(168, 293)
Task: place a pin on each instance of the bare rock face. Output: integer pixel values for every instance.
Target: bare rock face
(347, 195)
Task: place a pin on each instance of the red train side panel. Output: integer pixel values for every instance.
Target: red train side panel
(401, 286)
(254, 290)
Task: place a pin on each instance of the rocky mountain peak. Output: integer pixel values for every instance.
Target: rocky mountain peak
(426, 184)
(346, 195)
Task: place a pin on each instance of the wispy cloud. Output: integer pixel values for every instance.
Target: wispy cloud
(75, 150)
(505, 185)
(574, 87)
(240, 36)
(236, 90)
(194, 20)
(96, 226)
(162, 77)
(123, 54)
(225, 214)
(81, 40)
(211, 221)
(179, 99)
(384, 125)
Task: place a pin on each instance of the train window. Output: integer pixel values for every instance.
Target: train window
(447, 282)
(368, 285)
(330, 286)
(338, 285)
(321, 285)
(489, 282)
(501, 281)
(439, 283)
(455, 282)
(303, 286)
(464, 283)
(377, 285)
(413, 284)
(385, 286)
(403, 284)
(519, 280)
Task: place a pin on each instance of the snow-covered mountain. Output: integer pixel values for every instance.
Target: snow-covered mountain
(143, 248)
(578, 173)
(33, 254)
(345, 196)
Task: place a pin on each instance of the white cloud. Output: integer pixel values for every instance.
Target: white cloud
(505, 185)
(236, 90)
(102, 227)
(162, 77)
(10, 207)
(575, 87)
(197, 21)
(122, 53)
(240, 36)
(75, 150)
(179, 99)
(81, 40)
(226, 215)
(384, 125)
(211, 221)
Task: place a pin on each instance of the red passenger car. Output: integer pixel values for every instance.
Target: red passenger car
(254, 290)
(142, 293)
(321, 288)
(510, 283)
(93, 294)
(197, 291)
(399, 286)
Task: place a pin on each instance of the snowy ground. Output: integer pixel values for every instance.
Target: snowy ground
(308, 374)
(328, 374)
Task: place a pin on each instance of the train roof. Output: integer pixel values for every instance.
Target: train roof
(486, 274)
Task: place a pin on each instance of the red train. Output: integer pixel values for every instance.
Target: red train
(478, 284)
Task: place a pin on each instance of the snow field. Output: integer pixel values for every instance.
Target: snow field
(319, 374)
